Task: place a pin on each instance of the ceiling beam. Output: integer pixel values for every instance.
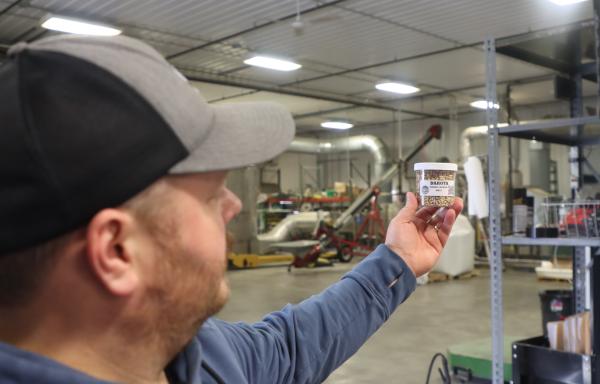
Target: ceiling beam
(521, 81)
(278, 89)
(545, 32)
(252, 29)
(323, 112)
(335, 110)
(22, 36)
(286, 91)
(499, 43)
(381, 64)
(9, 7)
(534, 58)
(401, 25)
(461, 113)
(354, 103)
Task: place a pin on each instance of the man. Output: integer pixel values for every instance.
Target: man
(112, 237)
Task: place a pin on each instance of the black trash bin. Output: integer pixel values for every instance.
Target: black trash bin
(556, 305)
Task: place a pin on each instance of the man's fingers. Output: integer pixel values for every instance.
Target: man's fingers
(457, 206)
(408, 212)
(426, 213)
(425, 216)
(429, 216)
(437, 220)
(444, 228)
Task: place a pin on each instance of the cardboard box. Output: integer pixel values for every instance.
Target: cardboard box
(556, 334)
(573, 334)
(340, 187)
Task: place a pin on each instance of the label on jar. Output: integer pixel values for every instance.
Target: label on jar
(436, 188)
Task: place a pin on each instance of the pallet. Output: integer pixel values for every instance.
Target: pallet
(436, 277)
(555, 272)
(555, 279)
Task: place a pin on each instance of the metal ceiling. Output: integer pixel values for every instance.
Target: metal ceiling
(345, 46)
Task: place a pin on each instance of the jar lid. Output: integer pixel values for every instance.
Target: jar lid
(436, 167)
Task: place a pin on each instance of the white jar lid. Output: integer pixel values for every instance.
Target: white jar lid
(436, 167)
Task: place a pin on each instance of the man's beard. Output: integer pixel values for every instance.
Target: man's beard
(184, 295)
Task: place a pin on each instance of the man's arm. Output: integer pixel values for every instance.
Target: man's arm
(304, 343)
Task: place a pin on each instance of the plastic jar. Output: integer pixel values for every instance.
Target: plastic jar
(435, 183)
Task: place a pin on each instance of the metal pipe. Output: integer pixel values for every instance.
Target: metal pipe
(466, 136)
(300, 223)
(383, 174)
(472, 133)
(353, 143)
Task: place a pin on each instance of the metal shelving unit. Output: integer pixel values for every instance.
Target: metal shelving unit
(557, 242)
(495, 222)
(574, 132)
(559, 131)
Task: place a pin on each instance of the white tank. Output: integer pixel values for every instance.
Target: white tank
(458, 255)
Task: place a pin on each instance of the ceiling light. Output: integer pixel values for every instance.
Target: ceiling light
(566, 2)
(272, 63)
(80, 27)
(482, 104)
(401, 88)
(336, 125)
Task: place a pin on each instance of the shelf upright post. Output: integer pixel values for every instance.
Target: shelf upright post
(576, 110)
(597, 52)
(495, 216)
(581, 261)
(594, 273)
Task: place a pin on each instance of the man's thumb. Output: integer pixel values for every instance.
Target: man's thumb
(410, 208)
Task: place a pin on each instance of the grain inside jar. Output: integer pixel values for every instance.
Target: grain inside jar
(435, 184)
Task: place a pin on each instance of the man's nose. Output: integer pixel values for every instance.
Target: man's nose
(234, 206)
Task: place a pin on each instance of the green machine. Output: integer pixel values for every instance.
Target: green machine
(472, 361)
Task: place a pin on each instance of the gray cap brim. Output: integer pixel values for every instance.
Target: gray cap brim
(242, 134)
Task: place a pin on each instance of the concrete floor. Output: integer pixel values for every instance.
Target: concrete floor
(436, 316)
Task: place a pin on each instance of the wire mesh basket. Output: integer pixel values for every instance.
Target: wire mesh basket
(574, 218)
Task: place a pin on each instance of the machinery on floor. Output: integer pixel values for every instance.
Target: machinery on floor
(330, 239)
(371, 231)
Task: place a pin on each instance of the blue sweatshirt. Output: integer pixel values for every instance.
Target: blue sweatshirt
(302, 343)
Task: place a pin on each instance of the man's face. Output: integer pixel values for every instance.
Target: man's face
(187, 281)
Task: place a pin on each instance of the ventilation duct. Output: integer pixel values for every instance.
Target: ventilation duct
(368, 143)
(480, 131)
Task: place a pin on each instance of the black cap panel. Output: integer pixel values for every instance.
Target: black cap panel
(24, 191)
(90, 142)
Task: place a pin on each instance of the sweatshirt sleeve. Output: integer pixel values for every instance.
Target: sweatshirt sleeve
(304, 343)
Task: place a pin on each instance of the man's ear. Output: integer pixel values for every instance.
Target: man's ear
(110, 253)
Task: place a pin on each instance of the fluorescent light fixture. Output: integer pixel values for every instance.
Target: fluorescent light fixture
(566, 2)
(500, 125)
(482, 104)
(63, 24)
(272, 63)
(336, 125)
(403, 89)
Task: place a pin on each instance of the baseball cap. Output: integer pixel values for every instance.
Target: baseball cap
(88, 122)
